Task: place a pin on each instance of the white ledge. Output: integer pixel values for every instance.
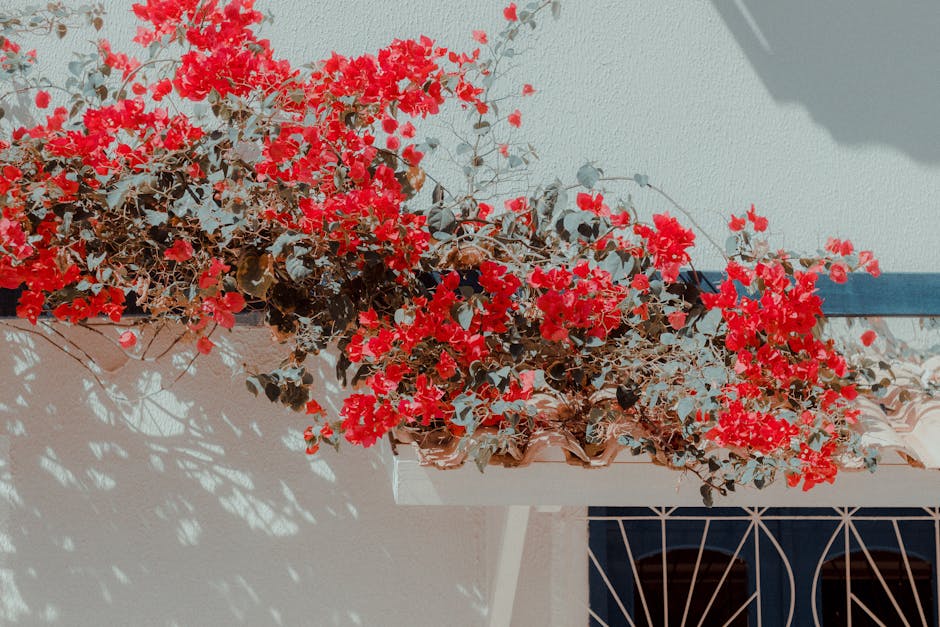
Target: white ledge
(639, 482)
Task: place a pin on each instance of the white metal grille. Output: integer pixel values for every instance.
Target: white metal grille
(821, 566)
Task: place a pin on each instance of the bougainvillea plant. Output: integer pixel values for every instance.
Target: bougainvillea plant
(200, 175)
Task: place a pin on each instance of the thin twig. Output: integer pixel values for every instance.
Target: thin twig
(63, 349)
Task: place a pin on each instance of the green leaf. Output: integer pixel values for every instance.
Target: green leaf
(464, 314)
(708, 324)
(283, 240)
(619, 264)
(95, 261)
(685, 407)
(627, 396)
(573, 220)
(441, 219)
(253, 275)
(588, 175)
(641, 179)
(437, 195)
(154, 218)
(295, 266)
(482, 457)
(272, 391)
(708, 497)
(116, 197)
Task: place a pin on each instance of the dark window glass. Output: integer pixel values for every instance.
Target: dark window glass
(730, 591)
(869, 597)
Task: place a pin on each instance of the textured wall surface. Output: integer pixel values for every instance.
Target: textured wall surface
(131, 505)
(132, 498)
(823, 115)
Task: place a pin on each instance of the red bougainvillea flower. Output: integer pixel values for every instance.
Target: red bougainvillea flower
(314, 407)
(868, 337)
(839, 247)
(204, 345)
(480, 36)
(181, 250)
(161, 89)
(389, 124)
(737, 272)
(446, 366)
(677, 319)
(224, 307)
(211, 277)
(515, 118)
(838, 273)
(14, 239)
(411, 155)
(510, 12)
(738, 427)
(594, 204)
(127, 339)
(528, 90)
(759, 222)
(640, 282)
(621, 219)
(737, 223)
(667, 242)
(42, 99)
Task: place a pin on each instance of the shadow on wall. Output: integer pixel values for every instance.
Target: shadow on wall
(866, 70)
(128, 503)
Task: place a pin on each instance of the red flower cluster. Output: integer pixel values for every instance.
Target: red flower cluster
(324, 143)
(581, 298)
(740, 428)
(668, 242)
(456, 331)
(780, 361)
(312, 171)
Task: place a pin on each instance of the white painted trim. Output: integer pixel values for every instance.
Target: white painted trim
(570, 588)
(509, 562)
(641, 483)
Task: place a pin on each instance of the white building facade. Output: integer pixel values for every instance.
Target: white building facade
(133, 498)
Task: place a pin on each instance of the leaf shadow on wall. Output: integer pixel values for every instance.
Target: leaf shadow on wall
(193, 505)
(866, 70)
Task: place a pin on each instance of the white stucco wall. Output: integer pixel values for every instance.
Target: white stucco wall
(822, 114)
(131, 505)
(195, 506)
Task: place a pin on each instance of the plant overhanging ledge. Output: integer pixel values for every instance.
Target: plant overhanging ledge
(200, 175)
